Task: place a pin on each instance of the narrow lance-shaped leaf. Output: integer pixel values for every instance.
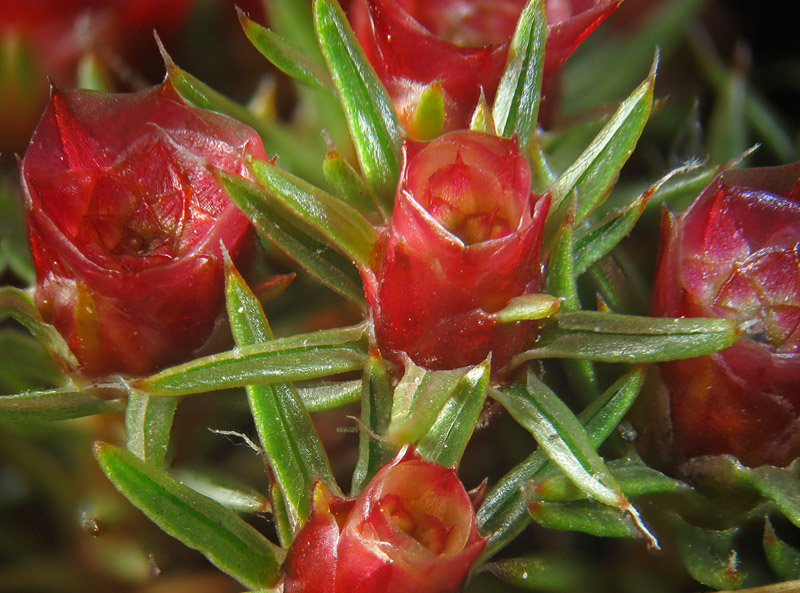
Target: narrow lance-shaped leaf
(609, 337)
(148, 423)
(585, 516)
(289, 235)
(297, 153)
(428, 120)
(346, 181)
(228, 492)
(595, 171)
(562, 437)
(304, 356)
(418, 399)
(447, 438)
(293, 20)
(516, 106)
(287, 435)
(370, 115)
(55, 404)
(633, 476)
(562, 282)
(326, 396)
(603, 237)
(376, 408)
(503, 515)
(17, 304)
(287, 58)
(341, 225)
(218, 533)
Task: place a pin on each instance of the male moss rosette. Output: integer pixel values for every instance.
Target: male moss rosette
(411, 530)
(735, 253)
(462, 45)
(126, 223)
(464, 239)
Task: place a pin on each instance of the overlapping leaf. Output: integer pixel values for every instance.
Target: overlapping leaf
(370, 115)
(221, 535)
(304, 356)
(609, 337)
(287, 435)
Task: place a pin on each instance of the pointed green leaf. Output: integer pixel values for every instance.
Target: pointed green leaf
(594, 173)
(341, 225)
(326, 396)
(529, 307)
(428, 120)
(609, 337)
(198, 522)
(370, 115)
(781, 557)
(288, 437)
(327, 265)
(516, 106)
(18, 304)
(347, 182)
(560, 434)
(231, 494)
(482, 120)
(604, 236)
(376, 408)
(304, 356)
(585, 516)
(418, 399)
(56, 404)
(503, 514)
(561, 279)
(447, 438)
(287, 58)
(293, 20)
(633, 476)
(710, 556)
(297, 153)
(148, 423)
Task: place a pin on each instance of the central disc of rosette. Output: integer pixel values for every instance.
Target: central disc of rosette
(145, 204)
(472, 189)
(435, 512)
